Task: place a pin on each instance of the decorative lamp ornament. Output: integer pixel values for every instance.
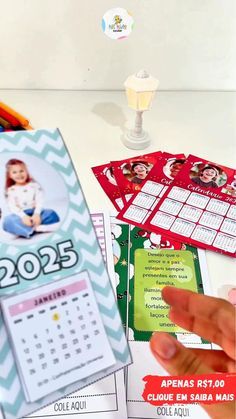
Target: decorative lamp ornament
(140, 91)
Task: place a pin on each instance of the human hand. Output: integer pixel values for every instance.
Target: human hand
(214, 320)
(27, 221)
(36, 219)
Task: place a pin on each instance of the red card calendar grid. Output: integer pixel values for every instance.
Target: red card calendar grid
(126, 183)
(154, 186)
(214, 209)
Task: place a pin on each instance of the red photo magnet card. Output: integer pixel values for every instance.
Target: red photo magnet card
(141, 206)
(199, 206)
(105, 176)
(132, 172)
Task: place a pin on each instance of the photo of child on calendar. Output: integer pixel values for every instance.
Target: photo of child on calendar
(172, 167)
(139, 171)
(136, 171)
(208, 175)
(27, 210)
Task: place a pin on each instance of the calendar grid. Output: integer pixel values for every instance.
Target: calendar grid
(140, 208)
(202, 217)
(63, 333)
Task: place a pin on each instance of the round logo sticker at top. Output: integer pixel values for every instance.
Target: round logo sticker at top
(117, 23)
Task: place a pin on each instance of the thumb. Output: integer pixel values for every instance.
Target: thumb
(175, 358)
(178, 360)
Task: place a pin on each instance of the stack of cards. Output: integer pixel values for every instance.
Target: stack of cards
(188, 199)
(120, 179)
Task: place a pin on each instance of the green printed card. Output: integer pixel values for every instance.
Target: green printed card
(154, 269)
(144, 263)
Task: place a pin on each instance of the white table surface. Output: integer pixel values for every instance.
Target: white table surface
(92, 122)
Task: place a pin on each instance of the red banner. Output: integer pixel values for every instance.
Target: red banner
(206, 388)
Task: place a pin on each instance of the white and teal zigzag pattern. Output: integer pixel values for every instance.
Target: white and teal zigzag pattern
(50, 147)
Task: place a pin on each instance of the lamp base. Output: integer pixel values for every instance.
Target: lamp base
(136, 142)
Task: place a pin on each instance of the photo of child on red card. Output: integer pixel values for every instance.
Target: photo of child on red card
(199, 207)
(105, 176)
(140, 207)
(132, 172)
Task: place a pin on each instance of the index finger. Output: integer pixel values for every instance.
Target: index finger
(215, 310)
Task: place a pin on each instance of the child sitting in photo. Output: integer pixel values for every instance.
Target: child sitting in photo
(25, 202)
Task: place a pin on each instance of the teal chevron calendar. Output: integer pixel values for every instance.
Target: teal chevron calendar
(60, 328)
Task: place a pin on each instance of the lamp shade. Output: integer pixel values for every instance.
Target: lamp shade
(139, 101)
(140, 90)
